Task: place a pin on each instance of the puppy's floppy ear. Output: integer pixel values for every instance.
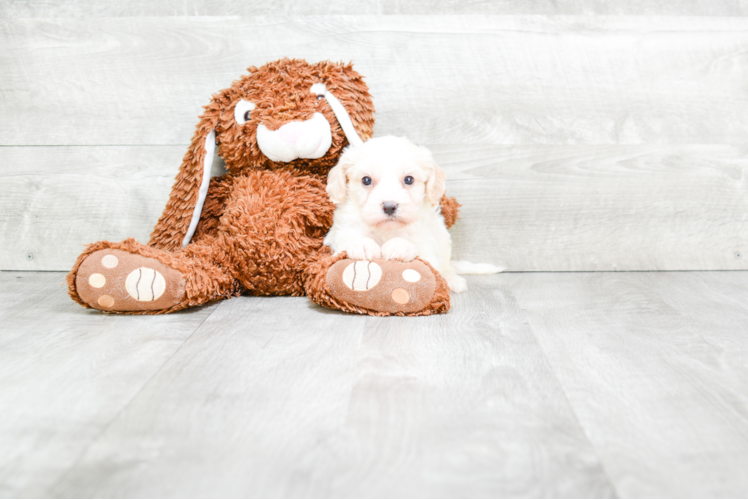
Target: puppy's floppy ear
(436, 184)
(336, 181)
(338, 176)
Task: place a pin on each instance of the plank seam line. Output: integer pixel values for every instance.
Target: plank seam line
(19, 311)
(116, 417)
(561, 387)
(633, 271)
(502, 272)
(186, 145)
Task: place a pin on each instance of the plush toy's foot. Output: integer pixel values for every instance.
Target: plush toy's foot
(115, 280)
(381, 288)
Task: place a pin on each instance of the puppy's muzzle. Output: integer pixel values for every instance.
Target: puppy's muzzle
(389, 207)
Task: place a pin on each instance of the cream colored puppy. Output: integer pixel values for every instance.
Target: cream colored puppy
(387, 192)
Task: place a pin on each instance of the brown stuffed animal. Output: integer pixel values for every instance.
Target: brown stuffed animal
(259, 229)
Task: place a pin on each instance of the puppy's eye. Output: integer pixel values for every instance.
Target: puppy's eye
(366, 181)
(408, 180)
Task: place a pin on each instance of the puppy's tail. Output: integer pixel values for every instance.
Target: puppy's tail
(465, 267)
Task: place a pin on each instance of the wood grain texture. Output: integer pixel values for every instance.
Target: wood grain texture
(67, 373)
(55, 200)
(534, 385)
(478, 79)
(601, 208)
(536, 208)
(654, 366)
(92, 8)
(257, 405)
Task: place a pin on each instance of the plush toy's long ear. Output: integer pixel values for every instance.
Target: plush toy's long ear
(344, 119)
(182, 213)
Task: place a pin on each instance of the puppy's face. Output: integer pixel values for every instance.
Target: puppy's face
(389, 179)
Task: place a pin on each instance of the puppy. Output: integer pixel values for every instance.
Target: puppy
(387, 193)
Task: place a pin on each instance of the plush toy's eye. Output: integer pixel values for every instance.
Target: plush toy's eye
(408, 180)
(242, 111)
(366, 181)
(320, 97)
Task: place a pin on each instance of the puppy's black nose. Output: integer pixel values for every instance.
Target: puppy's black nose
(389, 207)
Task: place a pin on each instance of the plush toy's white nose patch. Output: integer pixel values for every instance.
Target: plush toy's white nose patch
(308, 139)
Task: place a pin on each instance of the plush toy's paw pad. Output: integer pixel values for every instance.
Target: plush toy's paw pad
(115, 280)
(382, 285)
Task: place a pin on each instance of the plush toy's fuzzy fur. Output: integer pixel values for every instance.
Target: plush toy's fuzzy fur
(262, 225)
(280, 91)
(319, 291)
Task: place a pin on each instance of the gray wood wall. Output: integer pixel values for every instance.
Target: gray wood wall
(583, 135)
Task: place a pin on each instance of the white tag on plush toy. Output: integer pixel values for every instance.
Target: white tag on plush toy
(278, 147)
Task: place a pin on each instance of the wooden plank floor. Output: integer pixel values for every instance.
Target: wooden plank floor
(535, 384)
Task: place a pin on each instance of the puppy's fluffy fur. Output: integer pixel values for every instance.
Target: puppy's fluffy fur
(387, 193)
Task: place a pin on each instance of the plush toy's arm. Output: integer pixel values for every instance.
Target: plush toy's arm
(215, 204)
(450, 210)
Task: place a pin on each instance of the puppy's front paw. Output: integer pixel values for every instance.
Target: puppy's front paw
(364, 249)
(399, 249)
(456, 283)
